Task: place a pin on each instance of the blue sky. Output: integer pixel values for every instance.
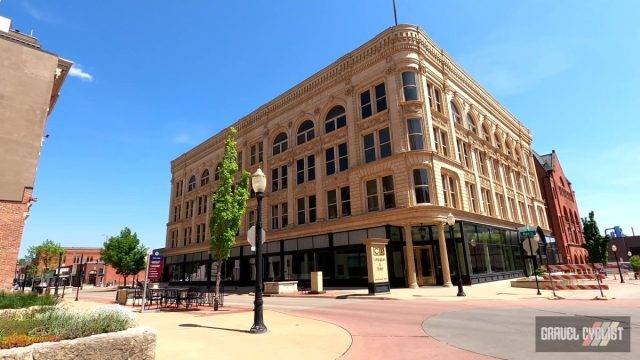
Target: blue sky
(154, 78)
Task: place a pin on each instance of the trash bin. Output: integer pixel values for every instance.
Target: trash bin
(121, 297)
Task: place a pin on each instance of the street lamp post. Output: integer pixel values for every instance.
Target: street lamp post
(258, 183)
(614, 248)
(451, 220)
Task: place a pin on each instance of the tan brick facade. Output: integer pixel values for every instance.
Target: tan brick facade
(409, 110)
(30, 81)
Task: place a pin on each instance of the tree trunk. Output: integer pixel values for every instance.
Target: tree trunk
(125, 280)
(216, 299)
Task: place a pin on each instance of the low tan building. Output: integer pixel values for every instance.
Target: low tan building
(30, 82)
(383, 143)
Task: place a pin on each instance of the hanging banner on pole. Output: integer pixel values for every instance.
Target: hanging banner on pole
(156, 264)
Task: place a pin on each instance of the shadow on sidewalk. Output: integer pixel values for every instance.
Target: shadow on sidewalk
(214, 328)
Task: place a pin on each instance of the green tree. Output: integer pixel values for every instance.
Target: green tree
(46, 254)
(595, 243)
(229, 204)
(125, 253)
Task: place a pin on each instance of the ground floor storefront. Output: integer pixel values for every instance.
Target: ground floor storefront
(417, 255)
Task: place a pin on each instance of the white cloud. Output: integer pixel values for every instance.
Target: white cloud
(182, 139)
(76, 71)
(38, 14)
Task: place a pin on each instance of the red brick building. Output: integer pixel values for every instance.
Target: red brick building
(563, 214)
(94, 270)
(30, 81)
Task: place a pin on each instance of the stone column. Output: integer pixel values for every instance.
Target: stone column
(444, 256)
(409, 258)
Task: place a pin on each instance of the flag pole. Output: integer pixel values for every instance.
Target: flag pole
(395, 13)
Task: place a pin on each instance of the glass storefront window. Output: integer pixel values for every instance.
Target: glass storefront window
(298, 266)
(272, 268)
(350, 264)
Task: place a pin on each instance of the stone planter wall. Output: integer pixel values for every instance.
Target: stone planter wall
(135, 343)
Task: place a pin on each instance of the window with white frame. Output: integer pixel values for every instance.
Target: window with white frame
(435, 97)
(279, 178)
(192, 183)
(464, 153)
(421, 186)
(256, 153)
(455, 114)
(333, 164)
(472, 197)
(280, 144)
(306, 132)
(487, 201)
(409, 86)
(471, 124)
(204, 178)
(450, 190)
(336, 118)
(309, 170)
(416, 136)
(367, 101)
(441, 141)
(371, 153)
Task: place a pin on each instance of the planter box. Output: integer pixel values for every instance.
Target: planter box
(134, 343)
(280, 287)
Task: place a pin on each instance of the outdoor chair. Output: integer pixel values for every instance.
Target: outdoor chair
(137, 296)
(192, 298)
(154, 296)
(171, 297)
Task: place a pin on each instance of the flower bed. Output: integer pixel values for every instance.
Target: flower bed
(22, 328)
(25, 300)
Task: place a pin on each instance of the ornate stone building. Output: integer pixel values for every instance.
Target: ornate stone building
(383, 143)
(30, 81)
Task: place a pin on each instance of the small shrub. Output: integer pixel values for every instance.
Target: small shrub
(49, 324)
(635, 262)
(24, 300)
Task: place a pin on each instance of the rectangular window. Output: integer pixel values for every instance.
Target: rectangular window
(441, 141)
(421, 186)
(449, 191)
(414, 129)
(301, 211)
(514, 211)
(384, 139)
(430, 94)
(253, 158)
(283, 176)
(300, 171)
(472, 197)
(332, 204)
(197, 233)
(365, 104)
(274, 180)
(330, 161)
(372, 195)
(312, 208)
(284, 210)
(275, 221)
(311, 167)
(388, 195)
(486, 197)
(252, 217)
(409, 86)
(369, 148)
(438, 96)
(345, 199)
(343, 157)
(381, 98)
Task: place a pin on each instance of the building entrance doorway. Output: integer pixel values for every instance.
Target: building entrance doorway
(425, 268)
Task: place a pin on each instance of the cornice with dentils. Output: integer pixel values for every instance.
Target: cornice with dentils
(394, 39)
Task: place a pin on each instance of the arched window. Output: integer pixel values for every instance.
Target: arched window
(192, 183)
(455, 114)
(216, 175)
(498, 142)
(280, 144)
(471, 124)
(421, 185)
(409, 86)
(306, 132)
(204, 179)
(335, 119)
